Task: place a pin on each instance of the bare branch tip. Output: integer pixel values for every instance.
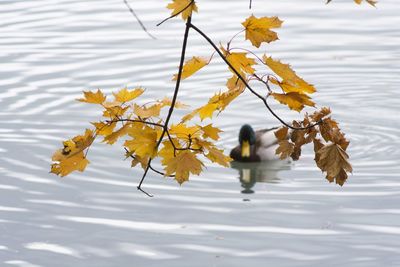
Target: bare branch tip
(144, 192)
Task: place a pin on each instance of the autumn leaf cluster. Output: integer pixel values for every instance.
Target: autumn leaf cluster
(329, 143)
(142, 127)
(146, 134)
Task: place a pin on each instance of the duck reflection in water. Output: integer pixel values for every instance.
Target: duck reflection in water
(263, 172)
(255, 157)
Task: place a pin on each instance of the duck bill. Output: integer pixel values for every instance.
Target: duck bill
(245, 149)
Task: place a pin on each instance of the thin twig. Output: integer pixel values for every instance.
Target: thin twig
(249, 51)
(177, 13)
(138, 20)
(230, 41)
(264, 100)
(264, 82)
(250, 4)
(151, 167)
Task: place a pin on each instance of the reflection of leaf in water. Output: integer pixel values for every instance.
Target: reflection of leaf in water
(264, 172)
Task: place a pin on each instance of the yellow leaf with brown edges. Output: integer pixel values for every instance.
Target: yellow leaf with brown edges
(93, 97)
(125, 95)
(182, 7)
(294, 101)
(191, 66)
(184, 164)
(258, 30)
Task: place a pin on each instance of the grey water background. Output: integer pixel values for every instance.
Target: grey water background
(52, 50)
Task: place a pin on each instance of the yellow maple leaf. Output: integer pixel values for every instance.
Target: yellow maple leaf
(71, 157)
(290, 81)
(211, 132)
(143, 141)
(104, 129)
(184, 164)
(168, 102)
(182, 7)
(190, 115)
(77, 162)
(167, 152)
(125, 95)
(114, 136)
(137, 159)
(84, 141)
(293, 100)
(182, 131)
(114, 112)
(217, 156)
(240, 62)
(207, 110)
(93, 97)
(234, 83)
(218, 102)
(147, 112)
(258, 30)
(191, 66)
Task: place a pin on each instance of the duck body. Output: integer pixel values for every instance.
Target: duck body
(255, 146)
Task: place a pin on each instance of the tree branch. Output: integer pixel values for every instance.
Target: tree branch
(173, 101)
(264, 100)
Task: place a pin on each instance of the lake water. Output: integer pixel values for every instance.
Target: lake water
(52, 50)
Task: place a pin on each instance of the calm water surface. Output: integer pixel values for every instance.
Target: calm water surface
(285, 215)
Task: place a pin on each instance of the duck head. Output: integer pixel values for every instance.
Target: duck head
(247, 138)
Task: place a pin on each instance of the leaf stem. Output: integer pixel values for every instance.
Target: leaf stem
(177, 13)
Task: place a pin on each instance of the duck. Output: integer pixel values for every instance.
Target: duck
(255, 146)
